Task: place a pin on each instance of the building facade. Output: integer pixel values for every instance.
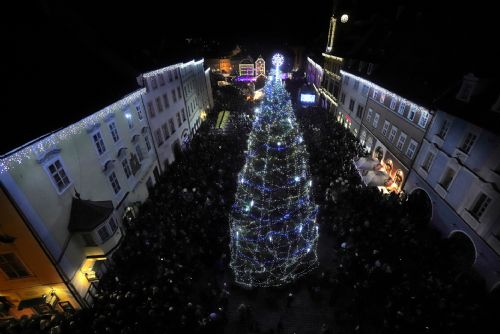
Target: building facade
(314, 75)
(392, 130)
(330, 86)
(196, 95)
(29, 280)
(457, 158)
(352, 105)
(74, 186)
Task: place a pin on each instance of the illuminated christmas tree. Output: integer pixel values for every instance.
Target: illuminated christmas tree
(273, 222)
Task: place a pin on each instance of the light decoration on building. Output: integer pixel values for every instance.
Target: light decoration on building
(161, 70)
(273, 225)
(386, 92)
(277, 62)
(48, 142)
(260, 67)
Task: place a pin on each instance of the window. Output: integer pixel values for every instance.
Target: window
(424, 117)
(164, 128)
(161, 79)
(401, 141)
(176, 74)
(114, 182)
(58, 175)
(129, 120)
(114, 132)
(393, 103)
(159, 106)
(376, 94)
(402, 107)
(12, 266)
(385, 128)
(183, 114)
(364, 91)
(369, 115)
(382, 98)
(359, 112)
(392, 135)
(444, 129)
(89, 241)
(342, 98)
(356, 85)
(428, 161)
(362, 137)
(139, 112)
(448, 176)
(172, 126)
(148, 144)
(154, 85)
(480, 205)
(412, 147)
(103, 233)
(468, 142)
(179, 123)
(174, 97)
(170, 76)
(165, 101)
(151, 110)
(179, 92)
(413, 111)
(351, 105)
(159, 137)
(113, 225)
(126, 168)
(375, 120)
(138, 149)
(346, 80)
(99, 143)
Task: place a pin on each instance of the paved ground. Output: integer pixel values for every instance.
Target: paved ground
(304, 316)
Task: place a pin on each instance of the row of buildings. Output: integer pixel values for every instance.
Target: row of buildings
(446, 152)
(64, 196)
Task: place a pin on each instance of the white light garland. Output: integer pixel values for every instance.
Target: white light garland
(32, 149)
(273, 221)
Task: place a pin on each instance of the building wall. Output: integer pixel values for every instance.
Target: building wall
(25, 175)
(330, 86)
(314, 74)
(352, 89)
(43, 276)
(161, 114)
(475, 173)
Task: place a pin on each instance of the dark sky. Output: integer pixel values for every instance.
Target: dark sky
(68, 59)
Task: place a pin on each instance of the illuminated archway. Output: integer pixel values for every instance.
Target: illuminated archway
(379, 153)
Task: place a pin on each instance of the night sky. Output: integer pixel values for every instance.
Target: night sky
(69, 59)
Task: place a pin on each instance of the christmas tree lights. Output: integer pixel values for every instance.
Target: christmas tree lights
(273, 220)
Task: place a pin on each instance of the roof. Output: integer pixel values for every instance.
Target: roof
(86, 215)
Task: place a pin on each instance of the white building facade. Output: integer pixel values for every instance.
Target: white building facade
(75, 185)
(352, 104)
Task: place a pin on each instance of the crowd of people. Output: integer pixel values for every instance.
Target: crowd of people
(393, 273)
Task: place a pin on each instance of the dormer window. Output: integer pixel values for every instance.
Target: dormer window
(468, 85)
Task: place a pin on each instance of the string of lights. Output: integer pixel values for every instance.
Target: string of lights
(33, 149)
(273, 220)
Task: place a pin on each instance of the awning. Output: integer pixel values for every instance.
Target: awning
(31, 303)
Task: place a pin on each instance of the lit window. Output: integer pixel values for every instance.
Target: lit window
(424, 117)
(413, 111)
(385, 128)
(412, 147)
(393, 103)
(401, 141)
(392, 135)
(402, 107)
(369, 114)
(375, 120)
